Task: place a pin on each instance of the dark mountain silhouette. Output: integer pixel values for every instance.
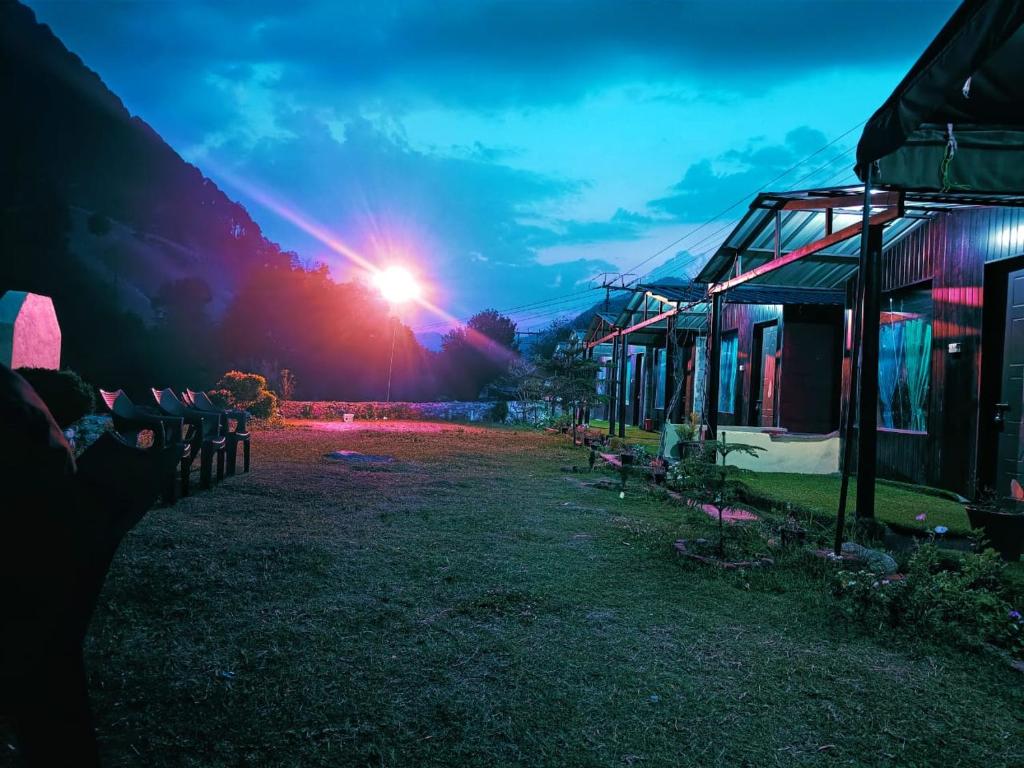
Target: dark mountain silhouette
(157, 276)
(138, 214)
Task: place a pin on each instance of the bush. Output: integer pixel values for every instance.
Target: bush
(246, 391)
(964, 604)
(244, 387)
(499, 412)
(264, 406)
(65, 393)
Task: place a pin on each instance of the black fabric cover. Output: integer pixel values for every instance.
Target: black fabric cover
(909, 135)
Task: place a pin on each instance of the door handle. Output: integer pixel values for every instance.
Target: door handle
(1000, 409)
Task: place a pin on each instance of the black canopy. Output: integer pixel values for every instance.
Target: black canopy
(956, 121)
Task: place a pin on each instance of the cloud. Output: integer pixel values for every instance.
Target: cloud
(709, 186)
(472, 225)
(490, 53)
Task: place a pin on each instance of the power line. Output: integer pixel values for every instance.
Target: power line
(744, 198)
(567, 298)
(842, 174)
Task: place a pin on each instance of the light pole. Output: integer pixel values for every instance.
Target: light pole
(391, 360)
(397, 286)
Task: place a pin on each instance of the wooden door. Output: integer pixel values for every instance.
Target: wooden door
(1010, 408)
(769, 348)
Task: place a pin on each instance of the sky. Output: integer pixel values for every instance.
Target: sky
(508, 151)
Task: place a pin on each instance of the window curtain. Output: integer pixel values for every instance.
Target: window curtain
(904, 360)
(888, 371)
(727, 376)
(917, 335)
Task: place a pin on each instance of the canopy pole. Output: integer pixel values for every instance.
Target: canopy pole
(867, 448)
(612, 380)
(669, 384)
(623, 361)
(714, 366)
(849, 414)
(588, 355)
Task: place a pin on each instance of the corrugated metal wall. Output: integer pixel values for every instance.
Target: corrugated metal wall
(950, 252)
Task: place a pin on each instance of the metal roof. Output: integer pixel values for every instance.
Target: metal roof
(753, 241)
(649, 300)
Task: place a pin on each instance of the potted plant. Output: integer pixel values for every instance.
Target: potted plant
(1002, 521)
(688, 436)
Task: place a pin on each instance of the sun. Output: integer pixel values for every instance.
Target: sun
(396, 284)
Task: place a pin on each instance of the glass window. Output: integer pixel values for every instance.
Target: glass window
(660, 381)
(727, 373)
(904, 360)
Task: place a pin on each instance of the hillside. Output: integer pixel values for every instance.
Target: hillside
(71, 142)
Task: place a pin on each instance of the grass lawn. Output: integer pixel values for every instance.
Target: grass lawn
(634, 435)
(894, 503)
(472, 605)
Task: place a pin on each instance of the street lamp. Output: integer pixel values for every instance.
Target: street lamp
(397, 286)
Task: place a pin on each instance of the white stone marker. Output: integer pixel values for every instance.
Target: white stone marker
(29, 331)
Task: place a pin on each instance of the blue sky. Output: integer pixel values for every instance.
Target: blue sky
(510, 150)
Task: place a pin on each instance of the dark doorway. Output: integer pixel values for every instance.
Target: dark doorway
(1009, 409)
(763, 375)
(637, 386)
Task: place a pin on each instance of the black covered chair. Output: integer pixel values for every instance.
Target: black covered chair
(60, 526)
(240, 434)
(130, 420)
(205, 436)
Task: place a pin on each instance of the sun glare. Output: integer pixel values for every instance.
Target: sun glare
(396, 284)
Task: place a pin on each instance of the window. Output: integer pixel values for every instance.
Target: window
(661, 382)
(904, 360)
(727, 373)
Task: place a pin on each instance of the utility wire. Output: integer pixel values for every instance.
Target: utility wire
(745, 197)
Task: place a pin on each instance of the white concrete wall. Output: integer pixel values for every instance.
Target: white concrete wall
(817, 455)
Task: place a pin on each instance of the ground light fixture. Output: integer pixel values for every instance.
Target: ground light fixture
(397, 286)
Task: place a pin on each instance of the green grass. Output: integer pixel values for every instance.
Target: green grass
(634, 435)
(894, 503)
(473, 605)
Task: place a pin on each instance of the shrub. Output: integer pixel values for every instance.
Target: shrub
(65, 393)
(964, 604)
(264, 406)
(244, 387)
(499, 412)
(247, 391)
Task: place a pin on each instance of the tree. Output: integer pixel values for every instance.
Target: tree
(546, 342)
(477, 354)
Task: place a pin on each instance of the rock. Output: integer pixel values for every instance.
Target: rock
(354, 457)
(874, 559)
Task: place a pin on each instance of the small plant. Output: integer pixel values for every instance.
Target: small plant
(286, 385)
(66, 394)
(689, 430)
(704, 481)
(963, 603)
(641, 456)
(306, 411)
